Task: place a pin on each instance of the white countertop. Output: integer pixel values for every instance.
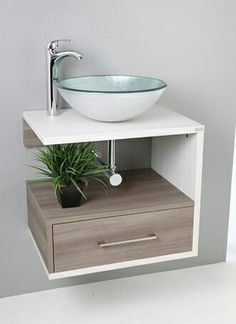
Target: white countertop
(71, 127)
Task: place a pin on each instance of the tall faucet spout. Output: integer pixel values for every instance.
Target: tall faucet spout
(54, 59)
(68, 53)
(57, 59)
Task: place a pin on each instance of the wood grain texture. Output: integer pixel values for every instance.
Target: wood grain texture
(76, 244)
(41, 231)
(144, 203)
(142, 190)
(30, 139)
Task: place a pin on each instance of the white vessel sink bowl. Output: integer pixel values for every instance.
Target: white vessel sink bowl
(111, 98)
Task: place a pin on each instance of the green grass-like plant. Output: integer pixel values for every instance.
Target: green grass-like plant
(71, 165)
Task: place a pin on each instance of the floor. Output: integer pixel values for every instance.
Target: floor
(201, 295)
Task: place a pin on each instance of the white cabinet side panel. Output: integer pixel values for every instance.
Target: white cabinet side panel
(174, 157)
(198, 189)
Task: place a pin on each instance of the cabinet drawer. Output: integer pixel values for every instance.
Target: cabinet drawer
(122, 238)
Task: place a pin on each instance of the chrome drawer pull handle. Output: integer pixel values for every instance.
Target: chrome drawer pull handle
(150, 237)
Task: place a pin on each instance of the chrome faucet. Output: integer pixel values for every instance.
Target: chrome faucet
(54, 57)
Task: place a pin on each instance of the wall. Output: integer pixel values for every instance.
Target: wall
(231, 246)
(188, 43)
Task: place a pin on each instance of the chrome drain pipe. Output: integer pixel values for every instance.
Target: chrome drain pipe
(115, 178)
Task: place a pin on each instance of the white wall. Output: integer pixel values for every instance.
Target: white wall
(188, 43)
(231, 248)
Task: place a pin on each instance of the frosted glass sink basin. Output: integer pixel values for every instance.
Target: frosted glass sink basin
(111, 98)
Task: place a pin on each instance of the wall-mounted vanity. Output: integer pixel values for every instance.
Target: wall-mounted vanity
(153, 216)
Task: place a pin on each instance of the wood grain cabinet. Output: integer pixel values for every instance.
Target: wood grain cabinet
(144, 220)
(152, 217)
(122, 238)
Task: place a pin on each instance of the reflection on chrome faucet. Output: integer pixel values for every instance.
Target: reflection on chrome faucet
(54, 57)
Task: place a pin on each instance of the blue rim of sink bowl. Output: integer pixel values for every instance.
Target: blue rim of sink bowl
(115, 84)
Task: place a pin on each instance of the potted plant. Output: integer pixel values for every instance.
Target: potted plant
(70, 167)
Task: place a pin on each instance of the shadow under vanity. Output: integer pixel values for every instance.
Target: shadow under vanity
(153, 216)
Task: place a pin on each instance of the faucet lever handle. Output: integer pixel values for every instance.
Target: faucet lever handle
(53, 45)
